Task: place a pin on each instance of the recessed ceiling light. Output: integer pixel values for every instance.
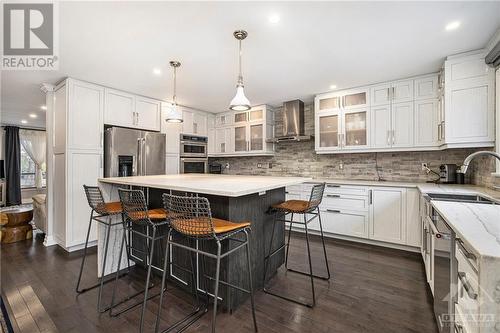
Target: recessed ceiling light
(156, 71)
(32, 115)
(24, 121)
(274, 18)
(452, 25)
(333, 87)
(43, 107)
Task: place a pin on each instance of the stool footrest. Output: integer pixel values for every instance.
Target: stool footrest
(296, 301)
(128, 298)
(98, 284)
(326, 278)
(228, 284)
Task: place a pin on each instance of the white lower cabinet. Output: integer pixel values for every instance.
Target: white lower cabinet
(172, 164)
(345, 222)
(380, 214)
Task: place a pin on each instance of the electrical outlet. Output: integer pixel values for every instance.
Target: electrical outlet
(259, 165)
(270, 165)
(424, 167)
(227, 165)
(341, 166)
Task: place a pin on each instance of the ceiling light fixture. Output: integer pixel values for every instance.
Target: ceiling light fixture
(175, 114)
(24, 121)
(332, 87)
(240, 102)
(32, 115)
(274, 18)
(156, 71)
(43, 107)
(452, 25)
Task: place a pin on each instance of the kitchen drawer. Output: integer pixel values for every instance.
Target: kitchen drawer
(346, 189)
(341, 201)
(467, 280)
(345, 222)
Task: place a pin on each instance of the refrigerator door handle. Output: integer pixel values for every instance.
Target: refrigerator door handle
(143, 156)
(139, 157)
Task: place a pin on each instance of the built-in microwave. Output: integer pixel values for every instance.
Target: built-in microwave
(193, 146)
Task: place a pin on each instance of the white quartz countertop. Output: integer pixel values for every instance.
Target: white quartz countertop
(223, 185)
(476, 224)
(364, 182)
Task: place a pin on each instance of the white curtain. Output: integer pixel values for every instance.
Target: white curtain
(35, 144)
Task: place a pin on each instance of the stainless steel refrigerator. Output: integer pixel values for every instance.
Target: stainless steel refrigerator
(129, 152)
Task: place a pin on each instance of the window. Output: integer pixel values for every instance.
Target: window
(28, 171)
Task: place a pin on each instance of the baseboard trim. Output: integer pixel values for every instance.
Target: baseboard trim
(49, 241)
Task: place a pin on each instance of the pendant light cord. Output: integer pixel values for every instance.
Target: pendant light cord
(240, 77)
(175, 86)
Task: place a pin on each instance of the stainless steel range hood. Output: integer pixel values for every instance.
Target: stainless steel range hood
(293, 122)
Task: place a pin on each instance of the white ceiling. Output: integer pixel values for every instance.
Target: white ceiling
(314, 45)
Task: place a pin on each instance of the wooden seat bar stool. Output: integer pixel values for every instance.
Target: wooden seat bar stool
(291, 207)
(138, 220)
(101, 212)
(191, 219)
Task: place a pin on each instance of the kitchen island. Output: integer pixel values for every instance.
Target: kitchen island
(234, 198)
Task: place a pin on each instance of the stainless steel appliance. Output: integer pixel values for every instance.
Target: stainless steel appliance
(194, 146)
(194, 154)
(439, 246)
(129, 152)
(448, 173)
(293, 122)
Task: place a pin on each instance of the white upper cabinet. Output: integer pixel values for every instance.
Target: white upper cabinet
(402, 125)
(85, 121)
(119, 108)
(148, 113)
(328, 133)
(402, 91)
(355, 98)
(381, 94)
(469, 106)
(133, 111)
(244, 132)
(426, 123)
(194, 122)
(381, 126)
(426, 87)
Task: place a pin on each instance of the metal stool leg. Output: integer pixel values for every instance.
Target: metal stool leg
(78, 290)
(146, 289)
(323, 241)
(288, 242)
(163, 281)
(247, 246)
(310, 263)
(216, 288)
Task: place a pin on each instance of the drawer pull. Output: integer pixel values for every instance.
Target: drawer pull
(466, 253)
(333, 211)
(332, 185)
(468, 288)
(333, 195)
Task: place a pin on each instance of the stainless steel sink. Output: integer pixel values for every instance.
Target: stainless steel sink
(472, 198)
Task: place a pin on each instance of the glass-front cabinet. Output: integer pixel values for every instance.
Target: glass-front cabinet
(329, 131)
(256, 137)
(240, 138)
(355, 133)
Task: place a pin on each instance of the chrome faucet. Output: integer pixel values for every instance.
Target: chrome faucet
(468, 159)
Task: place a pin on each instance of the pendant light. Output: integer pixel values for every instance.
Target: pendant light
(240, 102)
(175, 114)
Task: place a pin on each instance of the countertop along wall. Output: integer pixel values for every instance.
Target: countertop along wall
(300, 159)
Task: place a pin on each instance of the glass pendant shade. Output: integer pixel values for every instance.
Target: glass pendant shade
(174, 114)
(240, 102)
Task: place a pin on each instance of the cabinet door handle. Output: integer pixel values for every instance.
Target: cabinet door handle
(468, 288)
(443, 129)
(389, 94)
(343, 140)
(333, 211)
(439, 131)
(370, 197)
(388, 137)
(332, 185)
(333, 195)
(466, 252)
(393, 93)
(339, 142)
(393, 136)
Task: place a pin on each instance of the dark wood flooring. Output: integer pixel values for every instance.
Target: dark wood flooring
(372, 290)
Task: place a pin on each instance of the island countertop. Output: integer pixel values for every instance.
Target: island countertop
(222, 185)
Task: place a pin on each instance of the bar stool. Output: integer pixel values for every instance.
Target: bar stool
(298, 207)
(104, 213)
(191, 218)
(136, 213)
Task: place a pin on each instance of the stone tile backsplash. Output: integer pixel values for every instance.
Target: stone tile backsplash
(300, 159)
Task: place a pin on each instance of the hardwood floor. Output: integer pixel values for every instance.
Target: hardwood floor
(372, 290)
